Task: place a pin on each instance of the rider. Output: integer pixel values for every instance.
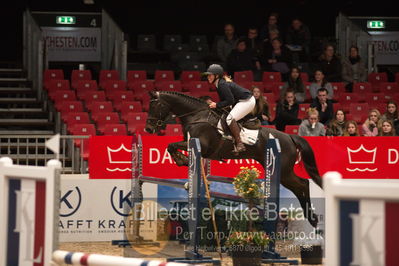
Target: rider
(231, 94)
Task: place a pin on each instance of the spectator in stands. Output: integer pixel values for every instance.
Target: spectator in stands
(295, 83)
(253, 42)
(226, 44)
(353, 69)
(330, 64)
(392, 114)
(261, 110)
(241, 59)
(312, 126)
(320, 82)
(336, 127)
(387, 128)
(267, 43)
(370, 126)
(351, 129)
(298, 39)
(272, 24)
(278, 59)
(287, 111)
(206, 98)
(324, 106)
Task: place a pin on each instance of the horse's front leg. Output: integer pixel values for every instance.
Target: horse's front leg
(178, 157)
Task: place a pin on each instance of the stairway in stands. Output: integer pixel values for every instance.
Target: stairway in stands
(21, 112)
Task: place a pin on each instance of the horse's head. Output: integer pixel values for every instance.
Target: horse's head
(158, 112)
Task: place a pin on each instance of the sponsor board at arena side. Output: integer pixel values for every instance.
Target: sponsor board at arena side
(94, 210)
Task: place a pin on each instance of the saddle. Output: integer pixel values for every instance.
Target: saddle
(249, 122)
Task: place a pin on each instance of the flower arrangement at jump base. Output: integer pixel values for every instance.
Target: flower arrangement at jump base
(246, 248)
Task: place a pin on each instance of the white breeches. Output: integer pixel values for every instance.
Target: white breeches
(241, 109)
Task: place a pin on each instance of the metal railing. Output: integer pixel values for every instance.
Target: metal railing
(31, 150)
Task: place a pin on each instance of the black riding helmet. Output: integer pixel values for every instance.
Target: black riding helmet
(215, 69)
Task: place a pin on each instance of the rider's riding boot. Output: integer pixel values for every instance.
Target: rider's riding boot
(235, 132)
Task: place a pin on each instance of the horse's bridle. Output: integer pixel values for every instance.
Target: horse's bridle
(159, 122)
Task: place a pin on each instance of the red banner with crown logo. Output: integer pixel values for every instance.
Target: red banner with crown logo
(354, 157)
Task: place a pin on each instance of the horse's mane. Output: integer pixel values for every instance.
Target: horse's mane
(186, 97)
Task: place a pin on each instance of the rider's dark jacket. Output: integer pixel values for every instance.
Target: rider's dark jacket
(230, 93)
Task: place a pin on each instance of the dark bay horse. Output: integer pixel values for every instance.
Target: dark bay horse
(200, 122)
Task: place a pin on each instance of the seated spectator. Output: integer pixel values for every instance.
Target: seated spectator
(272, 24)
(298, 38)
(351, 129)
(287, 111)
(386, 128)
(261, 110)
(392, 114)
(324, 106)
(370, 126)
(320, 82)
(241, 59)
(336, 127)
(353, 69)
(267, 43)
(253, 42)
(330, 64)
(278, 59)
(226, 44)
(295, 84)
(312, 126)
(207, 99)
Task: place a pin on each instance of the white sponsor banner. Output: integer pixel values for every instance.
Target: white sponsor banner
(386, 47)
(94, 209)
(72, 44)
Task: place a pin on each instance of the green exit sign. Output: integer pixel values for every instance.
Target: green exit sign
(65, 20)
(376, 24)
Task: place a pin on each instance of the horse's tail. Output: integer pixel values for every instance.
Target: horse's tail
(308, 158)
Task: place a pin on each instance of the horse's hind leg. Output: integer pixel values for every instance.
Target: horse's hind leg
(300, 187)
(178, 157)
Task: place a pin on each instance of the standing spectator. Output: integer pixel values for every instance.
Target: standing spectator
(253, 41)
(351, 129)
(287, 111)
(392, 114)
(336, 127)
(353, 69)
(227, 43)
(295, 83)
(320, 82)
(330, 64)
(241, 59)
(387, 128)
(298, 37)
(324, 106)
(312, 126)
(272, 24)
(261, 110)
(370, 126)
(278, 59)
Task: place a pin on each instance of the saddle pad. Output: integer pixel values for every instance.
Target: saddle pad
(248, 136)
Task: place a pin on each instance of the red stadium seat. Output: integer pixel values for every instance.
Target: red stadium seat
(194, 86)
(173, 130)
(114, 85)
(69, 106)
(78, 75)
(73, 118)
(269, 97)
(129, 107)
(103, 118)
(137, 117)
(164, 75)
(188, 76)
(337, 106)
(100, 106)
(302, 112)
(137, 128)
(119, 97)
(345, 99)
(57, 84)
(115, 130)
(358, 108)
(243, 76)
(83, 86)
(83, 130)
(63, 95)
(389, 88)
(372, 98)
(174, 85)
(304, 76)
(50, 74)
(274, 87)
(376, 79)
(141, 85)
(382, 107)
(106, 75)
(271, 77)
(136, 75)
(292, 129)
(89, 97)
(362, 87)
